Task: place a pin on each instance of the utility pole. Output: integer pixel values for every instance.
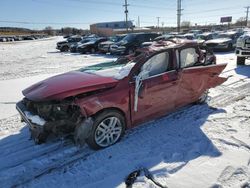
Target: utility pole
(247, 14)
(158, 22)
(138, 21)
(126, 13)
(179, 9)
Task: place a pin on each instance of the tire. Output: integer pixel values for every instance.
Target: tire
(241, 60)
(92, 50)
(108, 129)
(64, 49)
(130, 51)
(203, 98)
(230, 47)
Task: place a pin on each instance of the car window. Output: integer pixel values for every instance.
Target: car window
(157, 64)
(140, 38)
(188, 57)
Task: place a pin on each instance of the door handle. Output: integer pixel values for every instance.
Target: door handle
(174, 82)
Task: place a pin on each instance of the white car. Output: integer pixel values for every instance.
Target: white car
(243, 48)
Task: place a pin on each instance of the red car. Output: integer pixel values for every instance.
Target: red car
(98, 103)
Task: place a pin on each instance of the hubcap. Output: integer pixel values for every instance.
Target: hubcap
(108, 131)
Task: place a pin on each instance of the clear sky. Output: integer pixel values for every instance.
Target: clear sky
(37, 14)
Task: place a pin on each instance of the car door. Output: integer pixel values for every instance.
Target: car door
(195, 80)
(156, 94)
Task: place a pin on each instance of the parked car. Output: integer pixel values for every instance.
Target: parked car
(243, 48)
(223, 41)
(28, 38)
(64, 46)
(104, 47)
(195, 32)
(205, 36)
(74, 46)
(3, 39)
(131, 42)
(91, 46)
(100, 102)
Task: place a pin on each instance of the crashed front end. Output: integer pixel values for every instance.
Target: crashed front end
(50, 117)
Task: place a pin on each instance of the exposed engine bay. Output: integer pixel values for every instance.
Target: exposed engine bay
(55, 117)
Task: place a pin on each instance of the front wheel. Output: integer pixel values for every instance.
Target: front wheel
(241, 60)
(92, 50)
(130, 51)
(108, 128)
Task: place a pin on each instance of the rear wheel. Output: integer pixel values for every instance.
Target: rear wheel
(64, 49)
(241, 60)
(108, 128)
(92, 50)
(230, 47)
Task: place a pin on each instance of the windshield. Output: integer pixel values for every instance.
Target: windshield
(85, 40)
(129, 38)
(73, 39)
(225, 36)
(115, 69)
(204, 37)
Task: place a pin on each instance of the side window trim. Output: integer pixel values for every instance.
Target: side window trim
(160, 74)
(177, 54)
(169, 61)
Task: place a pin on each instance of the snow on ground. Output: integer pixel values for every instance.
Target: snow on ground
(197, 146)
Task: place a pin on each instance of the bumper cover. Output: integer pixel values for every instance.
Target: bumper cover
(242, 52)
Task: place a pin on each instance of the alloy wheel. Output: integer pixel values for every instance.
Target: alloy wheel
(108, 131)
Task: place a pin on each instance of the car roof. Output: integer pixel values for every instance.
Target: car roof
(167, 44)
(205, 34)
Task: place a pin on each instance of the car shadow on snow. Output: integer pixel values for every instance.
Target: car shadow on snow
(223, 52)
(243, 69)
(169, 142)
(54, 52)
(173, 140)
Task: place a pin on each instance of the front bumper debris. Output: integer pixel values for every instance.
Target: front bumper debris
(38, 133)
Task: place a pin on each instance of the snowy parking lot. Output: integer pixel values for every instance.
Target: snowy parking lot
(197, 146)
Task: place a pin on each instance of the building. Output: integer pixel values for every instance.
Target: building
(108, 28)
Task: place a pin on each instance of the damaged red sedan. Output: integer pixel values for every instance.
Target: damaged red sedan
(98, 103)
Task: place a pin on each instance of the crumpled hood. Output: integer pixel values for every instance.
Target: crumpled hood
(66, 85)
(218, 41)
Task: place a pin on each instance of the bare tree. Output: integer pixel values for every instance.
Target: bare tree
(49, 30)
(241, 22)
(185, 24)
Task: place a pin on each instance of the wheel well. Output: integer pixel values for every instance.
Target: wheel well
(112, 109)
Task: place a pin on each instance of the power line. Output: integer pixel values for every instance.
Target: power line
(212, 10)
(44, 23)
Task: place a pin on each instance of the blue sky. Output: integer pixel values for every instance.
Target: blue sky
(37, 14)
